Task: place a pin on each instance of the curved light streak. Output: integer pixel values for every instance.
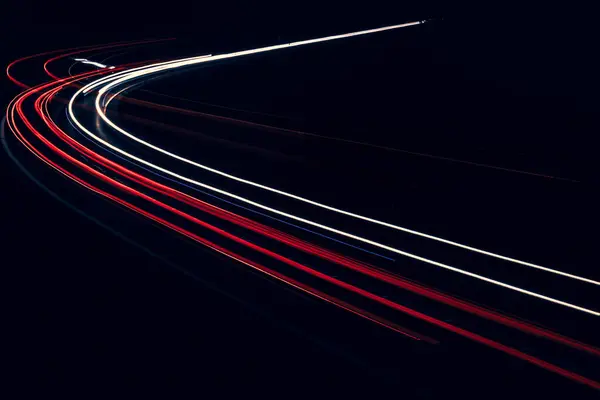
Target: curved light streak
(271, 273)
(134, 73)
(160, 67)
(78, 49)
(137, 72)
(304, 246)
(16, 105)
(94, 63)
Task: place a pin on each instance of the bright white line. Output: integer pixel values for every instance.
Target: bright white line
(113, 77)
(111, 98)
(94, 63)
(194, 60)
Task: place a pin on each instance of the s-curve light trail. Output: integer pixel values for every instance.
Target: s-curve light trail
(107, 83)
(163, 195)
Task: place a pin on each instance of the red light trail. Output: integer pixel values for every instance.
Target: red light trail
(125, 193)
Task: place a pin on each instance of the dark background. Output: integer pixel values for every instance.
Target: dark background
(80, 321)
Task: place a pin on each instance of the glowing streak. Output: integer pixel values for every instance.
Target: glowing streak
(131, 74)
(196, 60)
(79, 50)
(111, 98)
(113, 77)
(94, 63)
(296, 243)
(358, 216)
(47, 63)
(17, 103)
(222, 199)
(117, 79)
(274, 274)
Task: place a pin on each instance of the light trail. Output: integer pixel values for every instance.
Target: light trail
(109, 46)
(111, 98)
(253, 211)
(94, 63)
(316, 250)
(144, 71)
(41, 107)
(279, 277)
(73, 50)
(462, 332)
(16, 106)
(137, 72)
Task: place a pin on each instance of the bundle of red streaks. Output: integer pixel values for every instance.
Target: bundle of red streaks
(21, 124)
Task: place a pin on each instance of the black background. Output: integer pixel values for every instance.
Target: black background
(80, 321)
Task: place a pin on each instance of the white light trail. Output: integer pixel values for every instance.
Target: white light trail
(112, 77)
(121, 77)
(94, 63)
(131, 74)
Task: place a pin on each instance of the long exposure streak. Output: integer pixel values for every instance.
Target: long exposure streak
(138, 72)
(165, 204)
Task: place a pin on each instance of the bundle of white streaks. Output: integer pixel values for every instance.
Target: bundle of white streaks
(94, 63)
(107, 83)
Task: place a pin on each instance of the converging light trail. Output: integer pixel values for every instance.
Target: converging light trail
(94, 63)
(155, 192)
(125, 76)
